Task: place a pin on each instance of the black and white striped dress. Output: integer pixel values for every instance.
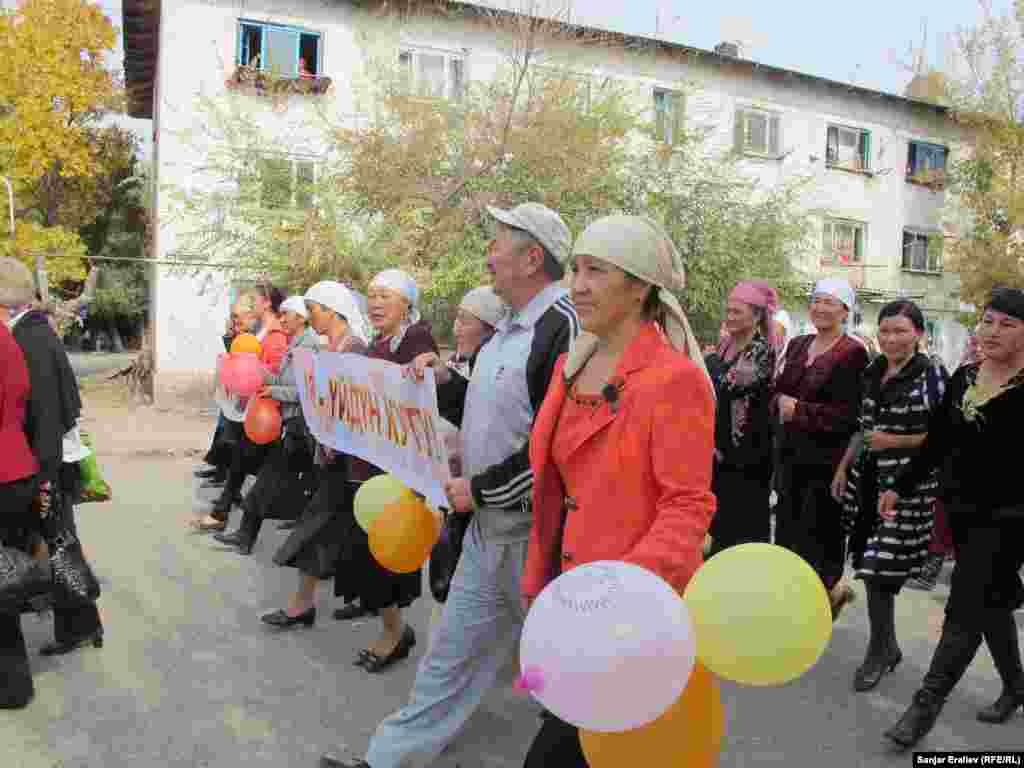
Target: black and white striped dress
(888, 552)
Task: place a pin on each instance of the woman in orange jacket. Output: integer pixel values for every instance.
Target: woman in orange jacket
(622, 447)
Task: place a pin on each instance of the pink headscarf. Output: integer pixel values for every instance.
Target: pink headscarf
(756, 293)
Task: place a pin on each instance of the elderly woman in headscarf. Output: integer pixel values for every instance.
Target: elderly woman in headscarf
(817, 400)
(622, 446)
(283, 477)
(316, 544)
(400, 335)
(743, 427)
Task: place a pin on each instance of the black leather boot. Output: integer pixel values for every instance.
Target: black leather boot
(1004, 644)
(883, 652)
(953, 655)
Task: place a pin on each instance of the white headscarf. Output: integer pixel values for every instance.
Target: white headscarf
(641, 247)
(295, 304)
(337, 298)
(838, 289)
(484, 304)
(401, 283)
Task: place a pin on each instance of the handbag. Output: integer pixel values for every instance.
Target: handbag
(444, 557)
(22, 578)
(73, 578)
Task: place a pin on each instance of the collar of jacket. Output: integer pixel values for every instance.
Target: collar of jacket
(638, 354)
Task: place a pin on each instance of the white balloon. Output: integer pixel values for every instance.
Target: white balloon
(608, 646)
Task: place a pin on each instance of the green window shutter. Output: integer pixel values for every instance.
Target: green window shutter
(865, 156)
(827, 254)
(858, 245)
(678, 113)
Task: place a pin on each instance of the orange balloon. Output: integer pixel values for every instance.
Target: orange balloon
(688, 735)
(402, 535)
(263, 421)
(246, 342)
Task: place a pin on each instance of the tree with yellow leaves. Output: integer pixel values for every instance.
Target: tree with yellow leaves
(55, 90)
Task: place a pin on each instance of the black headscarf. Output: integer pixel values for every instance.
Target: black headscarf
(1009, 301)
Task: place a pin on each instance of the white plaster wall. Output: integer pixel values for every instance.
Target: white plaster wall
(197, 55)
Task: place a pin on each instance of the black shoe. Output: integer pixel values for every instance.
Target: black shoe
(236, 539)
(1003, 708)
(95, 639)
(206, 474)
(282, 620)
(213, 482)
(352, 611)
(288, 525)
(918, 720)
(333, 761)
(373, 663)
(874, 668)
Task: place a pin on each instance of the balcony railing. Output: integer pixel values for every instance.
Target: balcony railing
(851, 273)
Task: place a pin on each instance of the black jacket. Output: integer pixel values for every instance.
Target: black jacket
(54, 402)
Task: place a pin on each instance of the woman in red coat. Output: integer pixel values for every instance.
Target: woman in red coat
(17, 489)
(622, 447)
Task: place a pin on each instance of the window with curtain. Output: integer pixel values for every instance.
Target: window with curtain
(922, 251)
(848, 148)
(758, 132)
(433, 74)
(842, 242)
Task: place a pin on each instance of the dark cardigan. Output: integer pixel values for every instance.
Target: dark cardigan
(828, 394)
(54, 402)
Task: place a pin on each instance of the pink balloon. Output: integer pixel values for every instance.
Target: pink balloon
(607, 646)
(242, 373)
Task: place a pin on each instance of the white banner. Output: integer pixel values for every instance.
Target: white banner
(368, 408)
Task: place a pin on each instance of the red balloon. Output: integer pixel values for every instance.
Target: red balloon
(242, 374)
(263, 421)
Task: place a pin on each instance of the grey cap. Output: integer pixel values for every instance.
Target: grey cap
(542, 223)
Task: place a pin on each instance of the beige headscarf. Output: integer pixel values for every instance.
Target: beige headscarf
(641, 247)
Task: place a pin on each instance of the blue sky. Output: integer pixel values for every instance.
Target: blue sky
(858, 44)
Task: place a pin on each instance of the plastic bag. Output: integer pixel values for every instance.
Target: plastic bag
(94, 487)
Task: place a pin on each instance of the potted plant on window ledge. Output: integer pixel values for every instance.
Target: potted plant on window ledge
(933, 178)
(251, 77)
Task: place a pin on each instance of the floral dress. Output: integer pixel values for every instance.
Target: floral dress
(890, 551)
(743, 446)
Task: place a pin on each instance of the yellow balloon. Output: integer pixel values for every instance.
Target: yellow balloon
(760, 613)
(402, 535)
(246, 342)
(688, 735)
(376, 494)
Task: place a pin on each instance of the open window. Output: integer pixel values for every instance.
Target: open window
(281, 51)
(757, 132)
(843, 242)
(848, 148)
(922, 251)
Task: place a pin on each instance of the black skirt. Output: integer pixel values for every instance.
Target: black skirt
(989, 556)
(744, 511)
(360, 577)
(19, 526)
(316, 544)
(280, 492)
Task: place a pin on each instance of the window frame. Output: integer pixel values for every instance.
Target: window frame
(772, 132)
(294, 162)
(413, 78)
(265, 27)
(914, 174)
(863, 148)
(929, 237)
(676, 129)
(830, 257)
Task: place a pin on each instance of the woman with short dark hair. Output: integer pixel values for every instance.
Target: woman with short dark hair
(970, 440)
(902, 388)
